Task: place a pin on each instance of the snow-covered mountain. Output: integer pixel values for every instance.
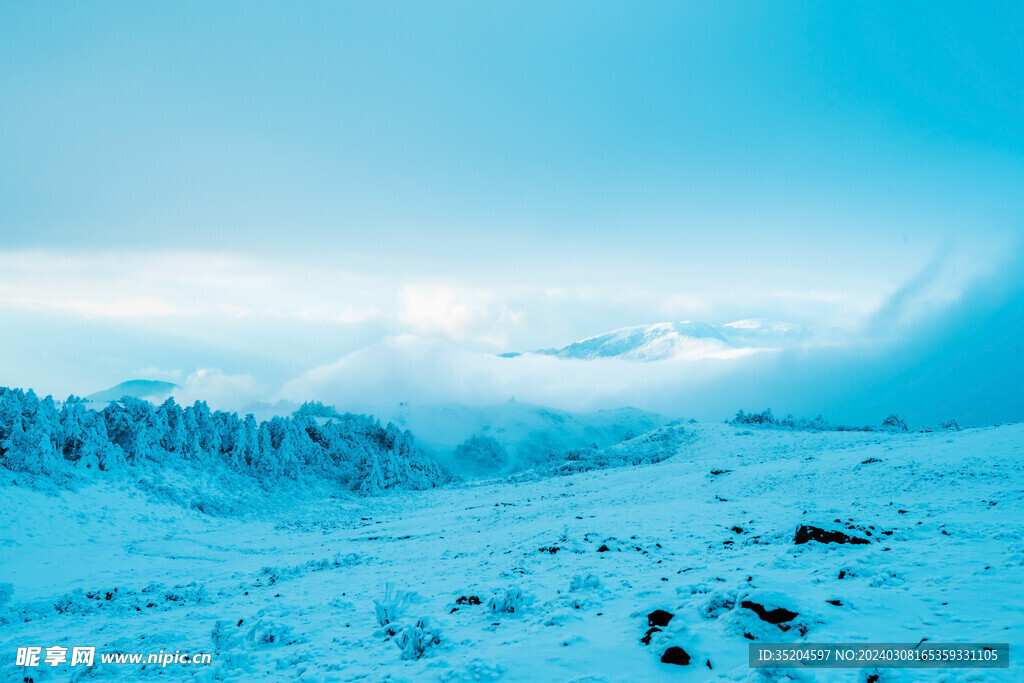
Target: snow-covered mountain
(687, 339)
(660, 341)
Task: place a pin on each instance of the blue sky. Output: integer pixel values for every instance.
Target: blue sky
(499, 175)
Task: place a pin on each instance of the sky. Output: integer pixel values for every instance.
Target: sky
(271, 201)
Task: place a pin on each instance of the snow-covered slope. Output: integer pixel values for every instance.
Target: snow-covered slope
(550, 579)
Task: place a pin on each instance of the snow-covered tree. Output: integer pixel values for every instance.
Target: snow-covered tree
(353, 450)
(481, 455)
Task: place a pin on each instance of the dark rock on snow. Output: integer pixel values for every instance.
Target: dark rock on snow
(778, 615)
(807, 533)
(675, 655)
(659, 617)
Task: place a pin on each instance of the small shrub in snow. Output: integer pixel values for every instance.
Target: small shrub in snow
(508, 601)
(225, 636)
(582, 583)
(264, 634)
(414, 641)
(762, 418)
(894, 423)
(392, 605)
(232, 639)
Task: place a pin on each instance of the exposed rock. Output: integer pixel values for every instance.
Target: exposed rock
(807, 533)
(675, 655)
(659, 617)
(778, 615)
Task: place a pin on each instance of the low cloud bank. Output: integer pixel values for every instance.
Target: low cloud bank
(964, 362)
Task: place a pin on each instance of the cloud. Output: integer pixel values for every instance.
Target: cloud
(910, 300)
(221, 390)
(346, 315)
(174, 376)
(457, 312)
(408, 368)
(962, 361)
(137, 307)
(142, 286)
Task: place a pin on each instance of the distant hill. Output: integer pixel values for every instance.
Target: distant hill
(149, 389)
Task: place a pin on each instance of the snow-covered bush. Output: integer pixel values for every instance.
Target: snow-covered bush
(229, 637)
(414, 641)
(507, 601)
(894, 423)
(266, 633)
(392, 605)
(762, 418)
